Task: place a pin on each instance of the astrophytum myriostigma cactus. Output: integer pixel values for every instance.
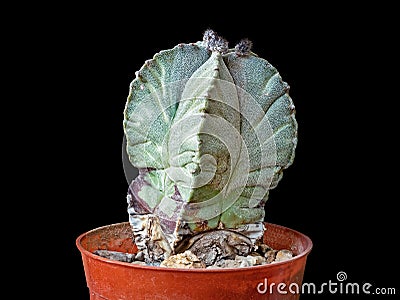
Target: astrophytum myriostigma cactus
(210, 129)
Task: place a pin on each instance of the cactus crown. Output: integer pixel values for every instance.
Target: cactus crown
(210, 129)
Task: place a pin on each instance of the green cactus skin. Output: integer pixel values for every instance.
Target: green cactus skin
(210, 129)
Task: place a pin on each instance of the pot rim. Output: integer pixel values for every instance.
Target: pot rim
(199, 270)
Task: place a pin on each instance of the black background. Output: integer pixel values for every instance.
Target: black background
(339, 191)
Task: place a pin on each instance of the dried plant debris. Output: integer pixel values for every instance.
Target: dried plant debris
(217, 245)
(189, 260)
(254, 259)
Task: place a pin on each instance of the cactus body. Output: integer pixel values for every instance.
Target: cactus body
(210, 130)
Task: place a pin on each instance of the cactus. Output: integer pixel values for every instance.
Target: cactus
(211, 129)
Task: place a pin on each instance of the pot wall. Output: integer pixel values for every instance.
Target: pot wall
(108, 279)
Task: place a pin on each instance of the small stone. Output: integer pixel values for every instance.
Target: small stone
(116, 255)
(185, 260)
(139, 256)
(249, 261)
(253, 261)
(283, 255)
(258, 258)
(244, 263)
(263, 248)
(140, 263)
(213, 267)
(270, 256)
(228, 263)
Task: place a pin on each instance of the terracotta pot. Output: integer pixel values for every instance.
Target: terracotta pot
(109, 279)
